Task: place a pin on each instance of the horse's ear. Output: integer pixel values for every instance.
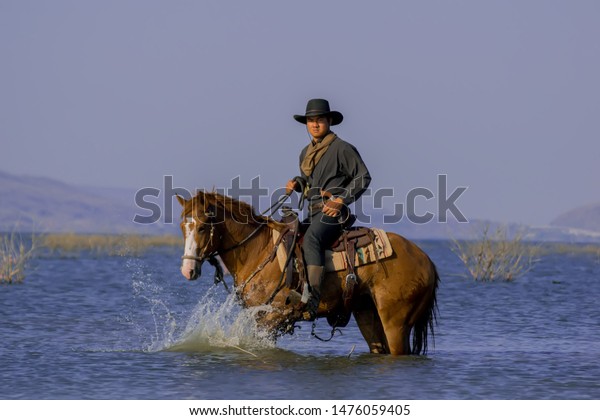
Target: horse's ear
(181, 200)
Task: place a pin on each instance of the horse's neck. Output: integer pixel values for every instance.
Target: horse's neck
(243, 259)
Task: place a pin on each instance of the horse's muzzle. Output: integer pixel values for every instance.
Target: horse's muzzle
(191, 269)
(191, 266)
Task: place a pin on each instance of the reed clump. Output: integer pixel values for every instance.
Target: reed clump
(105, 245)
(496, 256)
(15, 255)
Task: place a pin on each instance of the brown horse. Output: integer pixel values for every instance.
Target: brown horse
(393, 297)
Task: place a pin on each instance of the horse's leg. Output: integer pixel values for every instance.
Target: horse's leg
(369, 324)
(394, 316)
(397, 334)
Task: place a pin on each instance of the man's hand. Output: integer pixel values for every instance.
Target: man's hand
(290, 186)
(333, 207)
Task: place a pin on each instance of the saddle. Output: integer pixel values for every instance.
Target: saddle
(355, 246)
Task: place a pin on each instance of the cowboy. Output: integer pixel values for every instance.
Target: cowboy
(332, 176)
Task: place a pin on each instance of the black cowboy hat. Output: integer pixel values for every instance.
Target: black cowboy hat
(319, 107)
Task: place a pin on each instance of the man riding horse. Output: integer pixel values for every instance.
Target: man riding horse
(392, 299)
(332, 176)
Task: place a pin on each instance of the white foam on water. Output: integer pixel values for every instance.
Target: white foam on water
(221, 324)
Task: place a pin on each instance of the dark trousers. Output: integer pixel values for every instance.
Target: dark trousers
(321, 234)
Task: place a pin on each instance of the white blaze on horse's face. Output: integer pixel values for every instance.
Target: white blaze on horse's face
(190, 267)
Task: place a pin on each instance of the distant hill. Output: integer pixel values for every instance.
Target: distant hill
(585, 217)
(46, 205)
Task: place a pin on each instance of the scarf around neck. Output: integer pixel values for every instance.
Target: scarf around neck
(315, 152)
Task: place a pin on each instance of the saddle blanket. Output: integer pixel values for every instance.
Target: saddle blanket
(337, 261)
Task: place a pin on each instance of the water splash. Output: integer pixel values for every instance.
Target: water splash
(150, 297)
(221, 324)
(215, 321)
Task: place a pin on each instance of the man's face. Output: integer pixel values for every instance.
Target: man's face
(318, 127)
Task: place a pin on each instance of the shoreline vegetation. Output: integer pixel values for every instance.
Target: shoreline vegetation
(18, 250)
(105, 245)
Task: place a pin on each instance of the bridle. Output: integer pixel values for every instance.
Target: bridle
(211, 221)
(202, 256)
(211, 257)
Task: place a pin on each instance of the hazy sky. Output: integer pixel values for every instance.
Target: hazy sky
(502, 96)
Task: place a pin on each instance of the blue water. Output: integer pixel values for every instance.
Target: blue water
(133, 328)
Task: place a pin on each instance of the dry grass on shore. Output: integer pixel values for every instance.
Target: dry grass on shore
(16, 251)
(570, 249)
(101, 245)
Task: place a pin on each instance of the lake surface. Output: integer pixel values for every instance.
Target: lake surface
(133, 328)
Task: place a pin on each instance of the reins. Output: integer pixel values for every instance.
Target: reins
(334, 329)
(276, 206)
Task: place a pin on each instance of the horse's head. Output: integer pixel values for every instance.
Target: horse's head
(212, 223)
(202, 239)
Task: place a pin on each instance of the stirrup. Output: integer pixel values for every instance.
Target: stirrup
(312, 306)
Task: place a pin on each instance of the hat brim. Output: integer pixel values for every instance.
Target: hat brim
(336, 117)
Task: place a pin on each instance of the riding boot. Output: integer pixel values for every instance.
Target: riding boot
(315, 276)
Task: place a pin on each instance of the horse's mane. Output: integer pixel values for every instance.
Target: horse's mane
(238, 210)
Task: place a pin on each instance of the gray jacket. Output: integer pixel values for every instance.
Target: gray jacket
(341, 171)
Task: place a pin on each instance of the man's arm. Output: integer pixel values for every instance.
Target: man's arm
(352, 164)
(298, 183)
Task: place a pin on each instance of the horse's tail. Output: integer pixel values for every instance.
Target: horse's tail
(426, 322)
